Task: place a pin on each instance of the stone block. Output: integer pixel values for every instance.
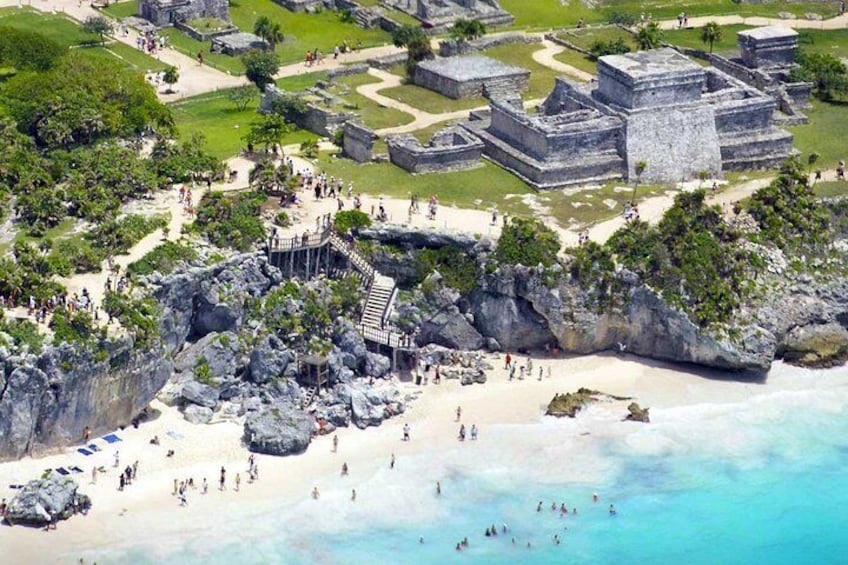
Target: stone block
(452, 149)
(470, 76)
(358, 142)
(768, 46)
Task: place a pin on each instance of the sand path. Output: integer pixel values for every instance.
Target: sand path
(546, 57)
(837, 22)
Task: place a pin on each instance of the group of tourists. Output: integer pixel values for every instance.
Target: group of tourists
(149, 42)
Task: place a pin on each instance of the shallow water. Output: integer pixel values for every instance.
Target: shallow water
(759, 481)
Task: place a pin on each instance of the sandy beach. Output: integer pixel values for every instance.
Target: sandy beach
(147, 513)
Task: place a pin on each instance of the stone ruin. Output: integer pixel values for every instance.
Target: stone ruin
(767, 57)
(654, 106)
(168, 12)
(358, 142)
(238, 43)
(451, 149)
(441, 14)
(470, 76)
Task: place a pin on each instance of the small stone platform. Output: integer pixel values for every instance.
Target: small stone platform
(470, 76)
(238, 43)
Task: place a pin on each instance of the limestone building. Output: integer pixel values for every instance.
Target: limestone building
(656, 107)
(167, 12)
(470, 76)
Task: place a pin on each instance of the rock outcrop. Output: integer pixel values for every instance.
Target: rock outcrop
(570, 403)
(46, 501)
(823, 345)
(637, 413)
(280, 429)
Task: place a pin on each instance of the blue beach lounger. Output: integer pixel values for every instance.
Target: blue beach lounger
(94, 448)
(111, 438)
(62, 471)
(84, 451)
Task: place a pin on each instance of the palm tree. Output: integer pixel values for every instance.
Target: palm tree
(268, 30)
(649, 36)
(639, 168)
(711, 33)
(261, 26)
(171, 76)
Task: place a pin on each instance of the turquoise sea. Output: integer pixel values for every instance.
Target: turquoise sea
(764, 480)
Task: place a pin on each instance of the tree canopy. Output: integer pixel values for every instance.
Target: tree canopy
(465, 30)
(26, 50)
(649, 36)
(527, 241)
(260, 67)
(711, 33)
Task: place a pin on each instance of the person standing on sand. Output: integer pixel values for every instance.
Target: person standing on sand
(335, 444)
(406, 432)
(438, 487)
(458, 413)
(353, 495)
(315, 493)
(94, 475)
(392, 463)
(507, 361)
(205, 488)
(222, 483)
(238, 481)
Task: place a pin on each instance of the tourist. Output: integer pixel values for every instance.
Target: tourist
(539, 507)
(117, 457)
(205, 487)
(335, 443)
(94, 475)
(222, 482)
(200, 58)
(344, 469)
(495, 216)
(315, 493)
(595, 497)
(392, 462)
(353, 495)
(840, 170)
(438, 488)
(473, 432)
(507, 361)
(406, 432)
(612, 511)
(458, 413)
(462, 432)
(238, 481)
(86, 434)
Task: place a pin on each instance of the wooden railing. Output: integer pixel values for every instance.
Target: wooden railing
(386, 336)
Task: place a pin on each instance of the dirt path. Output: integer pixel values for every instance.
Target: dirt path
(838, 22)
(546, 57)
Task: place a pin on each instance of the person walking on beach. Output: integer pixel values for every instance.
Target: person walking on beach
(406, 432)
(205, 488)
(315, 493)
(438, 488)
(344, 469)
(238, 481)
(353, 495)
(335, 444)
(222, 483)
(507, 361)
(458, 413)
(473, 432)
(392, 462)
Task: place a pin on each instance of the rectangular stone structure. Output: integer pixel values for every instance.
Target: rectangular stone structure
(649, 78)
(238, 43)
(166, 12)
(471, 75)
(451, 149)
(768, 46)
(358, 142)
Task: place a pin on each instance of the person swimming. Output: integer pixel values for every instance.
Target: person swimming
(595, 497)
(438, 487)
(612, 511)
(494, 530)
(574, 511)
(539, 507)
(553, 506)
(488, 533)
(563, 509)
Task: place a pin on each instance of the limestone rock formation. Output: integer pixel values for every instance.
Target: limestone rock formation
(570, 403)
(824, 345)
(269, 360)
(197, 414)
(45, 501)
(637, 413)
(279, 429)
(200, 394)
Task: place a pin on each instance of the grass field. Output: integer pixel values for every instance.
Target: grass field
(691, 38)
(188, 46)
(585, 37)
(215, 117)
(297, 83)
(477, 188)
(428, 100)
(834, 42)
(832, 188)
(133, 58)
(60, 29)
(373, 115)
(825, 134)
(551, 14)
(541, 77)
(122, 10)
(578, 61)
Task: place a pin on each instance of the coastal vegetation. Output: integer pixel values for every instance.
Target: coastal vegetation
(231, 220)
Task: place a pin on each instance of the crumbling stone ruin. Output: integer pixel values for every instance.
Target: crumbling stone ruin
(767, 56)
(656, 107)
(441, 14)
(168, 12)
(470, 76)
(358, 142)
(451, 149)
(238, 43)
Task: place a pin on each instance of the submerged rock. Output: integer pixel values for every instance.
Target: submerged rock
(637, 413)
(46, 501)
(280, 429)
(570, 403)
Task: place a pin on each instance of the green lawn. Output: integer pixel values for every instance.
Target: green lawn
(832, 188)
(373, 115)
(825, 134)
(551, 14)
(60, 29)
(304, 31)
(430, 101)
(585, 37)
(132, 58)
(488, 184)
(215, 117)
(183, 43)
(691, 38)
(121, 10)
(592, 205)
(834, 42)
(577, 60)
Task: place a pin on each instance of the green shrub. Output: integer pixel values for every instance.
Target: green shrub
(348, 220)
(527, 241)
(458, 269)
(140, 317)
(282, 219)
(163, 259)
(22, 333)
(77, 327)
(231, 220)
(612, 47)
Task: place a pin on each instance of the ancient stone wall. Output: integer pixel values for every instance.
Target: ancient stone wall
(316, 119)
(452, 88)
(299, 5)
(452, 47)
(450, 150)
(358, 142)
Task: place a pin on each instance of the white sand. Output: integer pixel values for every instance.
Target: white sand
(146, 512)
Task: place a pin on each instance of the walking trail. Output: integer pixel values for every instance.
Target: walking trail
(546, 57)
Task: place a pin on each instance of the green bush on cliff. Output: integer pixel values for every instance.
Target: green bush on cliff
(527, 241)
(231, 220)
(458, 269)
(347, 220)
(140, 317)
(163, 259)
(789, 214)
(18, 334)
(77, 327)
